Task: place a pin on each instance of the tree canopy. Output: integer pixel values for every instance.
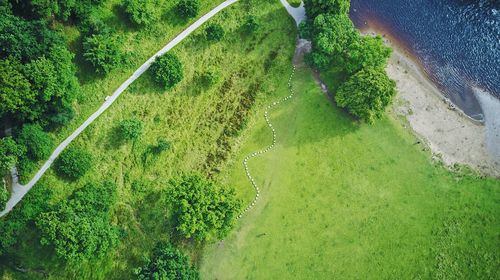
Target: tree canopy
(202, 209)
(131, 129)
(103, 52)
(10, 152)
(188, 8)
(167, 70)
(167, 263)
(366, 94)
(142, 12)
(316, 7)
(37, 142)
(366, 51)
(73, 163)
(4, 196)
(80, 227)
(214, 32)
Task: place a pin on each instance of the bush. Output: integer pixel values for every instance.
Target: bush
(167, 263)
(188, 8)
(142, 12)
(214, 32)
(37, 142)
(103, 52)
(4, 196)
(316, 7)
(163, 145)
(202, 209)
(80, 228)
(367, 94)
(131, 129)
(209, 78)
(73, 163)
(10, 152)
(251, 24)
(167, 70)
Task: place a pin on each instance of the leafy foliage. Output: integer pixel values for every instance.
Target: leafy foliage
(167, 263)
(73, 163)
(80, 228)
(37, 142)
(15, 90)
(4, 196)
(214, 32)
(251, 24)
(10, 152)
(367, 93)
(131, 129)
(202, 209)
(366, 52)
(316, 7)
(163, 145)
(103, 52)
(167, 70)
(188, 8)
(142, 12)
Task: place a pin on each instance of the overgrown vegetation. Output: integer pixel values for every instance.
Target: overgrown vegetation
(73, 163)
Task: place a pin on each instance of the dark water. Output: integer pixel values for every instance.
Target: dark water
(456, 41)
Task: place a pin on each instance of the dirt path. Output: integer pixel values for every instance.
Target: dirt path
(19, 191)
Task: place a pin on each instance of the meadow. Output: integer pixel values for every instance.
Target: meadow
(346, 200)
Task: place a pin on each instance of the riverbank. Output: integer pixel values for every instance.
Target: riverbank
(452, 136)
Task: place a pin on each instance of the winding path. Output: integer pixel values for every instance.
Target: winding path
(19, 191)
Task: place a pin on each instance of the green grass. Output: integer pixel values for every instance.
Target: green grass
(199, 122)
(342, 200)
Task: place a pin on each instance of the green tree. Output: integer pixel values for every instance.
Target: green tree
(316, 7)
(10, 152)
(167, 70)
(80, 227)
(16, 95)
(37, 142)
(366, 52)
(201, 209)
(142, 12)
(4, 196)
(73, 163)
(103, 52)
(214, 32)
(251, 24)
(188, 8)
(131, 129)
(167, 263)
(367, 94)
(331, 37)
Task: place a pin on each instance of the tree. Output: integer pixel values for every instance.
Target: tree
(366, 52)
(73, 163)
(37, 142)
(202, 209)
(80, 228)
(4, 196)
(103, 52)
(367, 94)
(167, 70)
(251, 24)
(16, 95)
(214, 32)
(142, 12)
(316, 7)
(131, 129)
(167, 263)
(10, 152)
(188, 8)
(331, 37)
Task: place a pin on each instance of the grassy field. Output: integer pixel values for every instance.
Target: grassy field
(203, 124)
(342, 200)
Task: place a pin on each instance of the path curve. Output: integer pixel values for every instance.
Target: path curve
(19, 191)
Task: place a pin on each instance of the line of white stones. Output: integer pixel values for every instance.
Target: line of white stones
(258, 153)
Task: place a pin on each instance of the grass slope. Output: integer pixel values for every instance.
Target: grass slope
(201, 122)
(342, 200)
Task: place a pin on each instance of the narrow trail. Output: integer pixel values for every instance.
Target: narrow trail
(270, 147)
(19, 191)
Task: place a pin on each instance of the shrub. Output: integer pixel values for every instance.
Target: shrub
(188, 8)
(142, 12)
(163, 145)
(167, 70)
(73, 163)
(209, 78)
(103, 52)
(251, 24)
(202, 209)
(167, 263)
(10, 152)
(37, 142)
(214, 32)
(367, 94)
(131, 129)
(316, 7)
(4, 196)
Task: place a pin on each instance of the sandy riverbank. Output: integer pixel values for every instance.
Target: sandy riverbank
(450, 134)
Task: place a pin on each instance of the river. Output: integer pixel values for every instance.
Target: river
(457, 42)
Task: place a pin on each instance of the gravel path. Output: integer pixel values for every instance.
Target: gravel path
(19, 191)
